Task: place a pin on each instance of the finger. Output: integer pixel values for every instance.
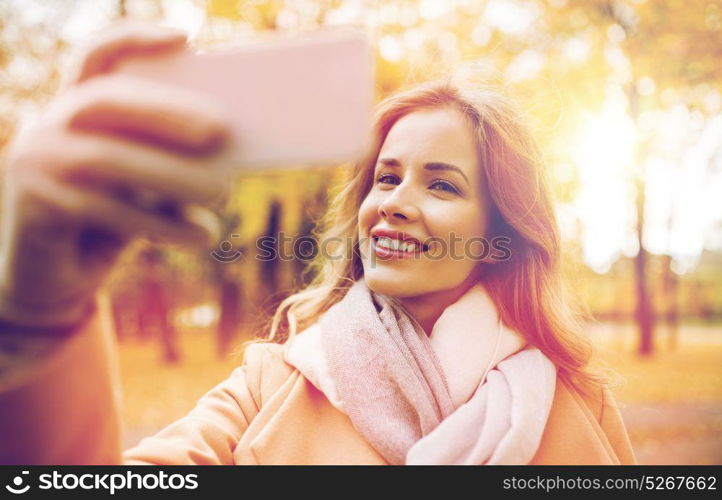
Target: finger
(124, 220)
(110, 162)
(122, 41)
(175, 118)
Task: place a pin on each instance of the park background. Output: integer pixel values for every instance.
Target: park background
(625, 100)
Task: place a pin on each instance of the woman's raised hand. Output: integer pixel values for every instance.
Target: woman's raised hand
(79, 182)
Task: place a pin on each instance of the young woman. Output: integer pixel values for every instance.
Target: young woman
(435, 331)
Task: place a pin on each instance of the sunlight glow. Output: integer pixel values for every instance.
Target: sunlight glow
(201, 316)
(391, 48)
(604, 154)
(510, 17)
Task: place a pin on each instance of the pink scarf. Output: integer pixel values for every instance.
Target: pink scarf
(427, 400)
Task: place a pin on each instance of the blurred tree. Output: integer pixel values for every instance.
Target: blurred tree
(156, 303)
(563, 59)
(229, 287)
(269, 262)
(691, 48)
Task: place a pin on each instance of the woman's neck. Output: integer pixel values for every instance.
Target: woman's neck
(427, 308)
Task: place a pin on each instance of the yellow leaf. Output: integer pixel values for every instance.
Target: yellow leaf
(230, 9)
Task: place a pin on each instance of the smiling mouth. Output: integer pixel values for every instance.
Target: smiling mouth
(394, 246)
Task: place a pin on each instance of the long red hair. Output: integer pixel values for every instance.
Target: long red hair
(527, 289)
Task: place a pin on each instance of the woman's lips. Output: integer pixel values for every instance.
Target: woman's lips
(390, 254)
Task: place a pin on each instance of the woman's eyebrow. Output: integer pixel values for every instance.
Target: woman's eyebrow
(437, 165)
(434, 165)
(389, 162)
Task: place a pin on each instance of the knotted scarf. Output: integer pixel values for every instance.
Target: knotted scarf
(472, 392)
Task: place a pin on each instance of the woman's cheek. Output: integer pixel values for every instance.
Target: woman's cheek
(368, 213)
(451, 228)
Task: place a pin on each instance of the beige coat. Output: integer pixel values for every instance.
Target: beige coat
(62, 407)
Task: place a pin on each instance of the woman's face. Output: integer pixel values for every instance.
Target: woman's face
(427, 187)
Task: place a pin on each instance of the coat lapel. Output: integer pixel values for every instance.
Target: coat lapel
(298, 426)
(572, 434)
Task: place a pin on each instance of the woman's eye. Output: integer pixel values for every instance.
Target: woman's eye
(444, 186)
(385, 178)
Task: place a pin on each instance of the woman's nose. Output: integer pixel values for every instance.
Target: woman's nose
(399, 205)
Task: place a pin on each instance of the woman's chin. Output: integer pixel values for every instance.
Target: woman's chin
(391, 286)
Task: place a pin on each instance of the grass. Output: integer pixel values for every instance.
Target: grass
(155, 393)
(690, 372)
(672, 400)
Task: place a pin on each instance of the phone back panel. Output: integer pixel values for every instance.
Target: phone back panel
(299, 101)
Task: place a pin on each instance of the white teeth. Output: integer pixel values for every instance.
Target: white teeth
(383, 242)
(393, 244)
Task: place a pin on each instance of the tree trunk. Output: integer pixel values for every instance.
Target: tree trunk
(645, 315)
(644, 312)
(670, 303)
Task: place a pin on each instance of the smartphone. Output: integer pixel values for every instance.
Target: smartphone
(302, 100)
